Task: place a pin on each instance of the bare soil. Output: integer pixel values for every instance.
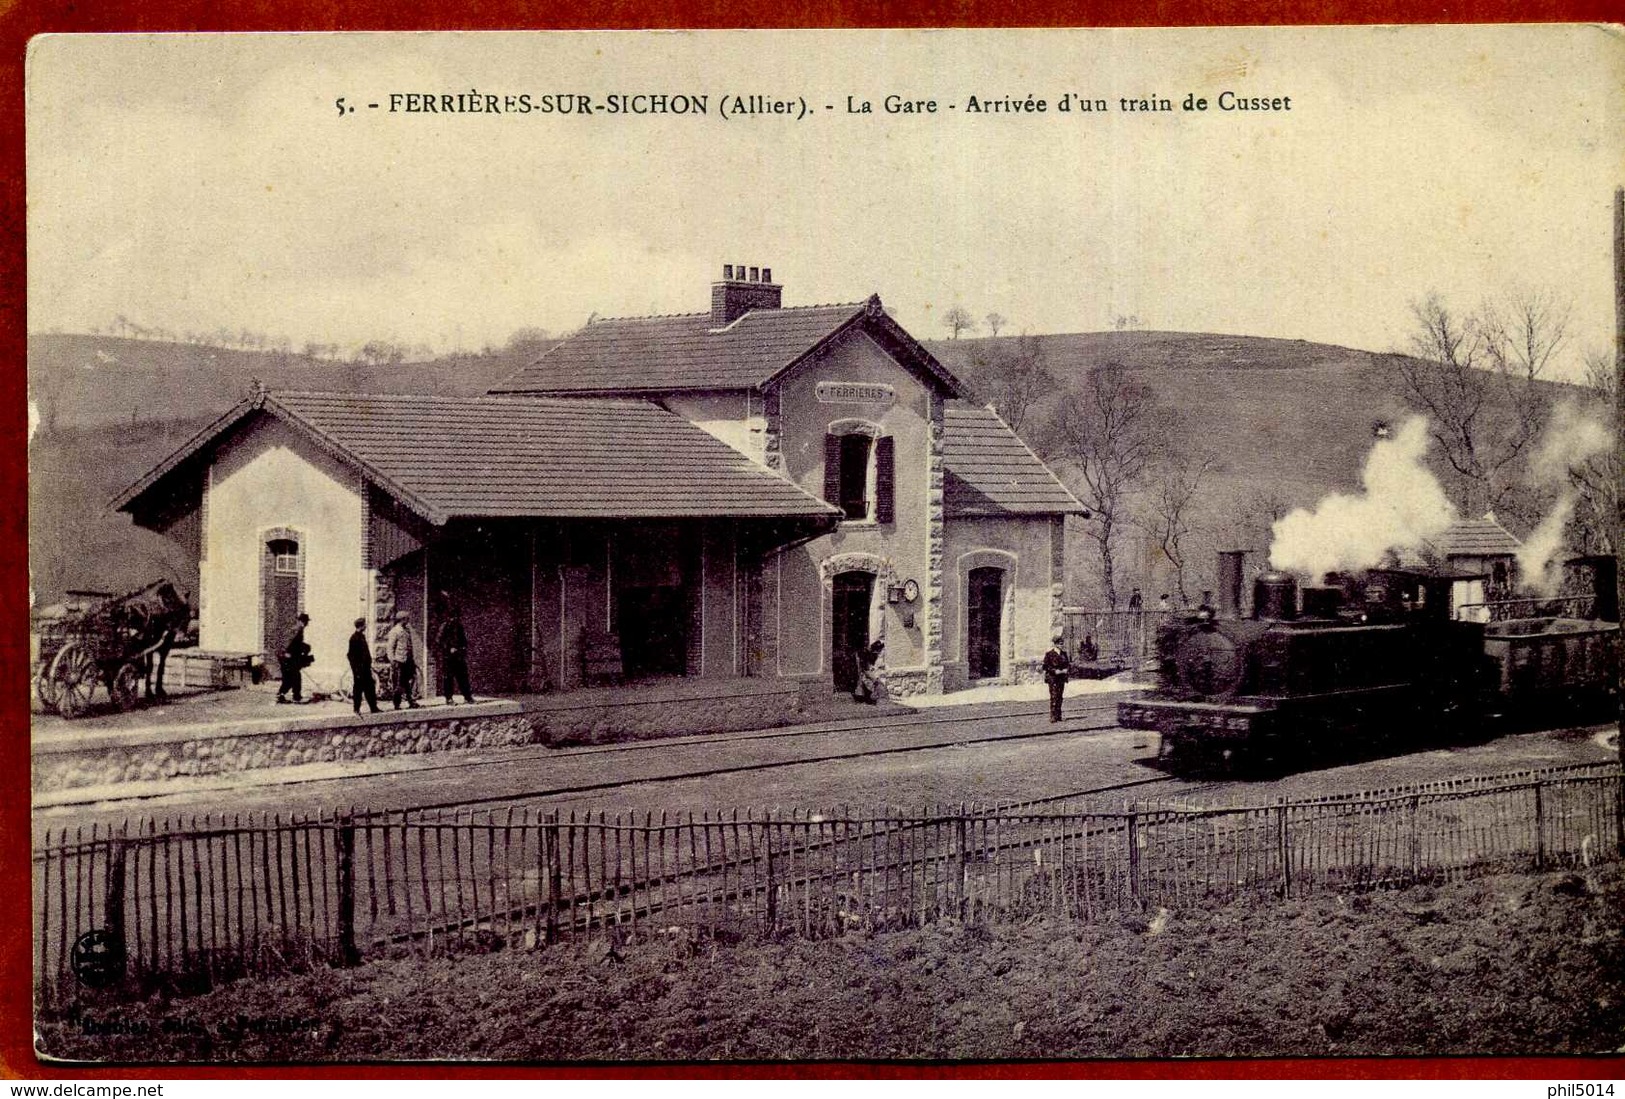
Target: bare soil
(1509, 964)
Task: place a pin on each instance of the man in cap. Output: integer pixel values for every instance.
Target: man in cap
(1056, 667)
(295, 659)
(360, 657)
(403, 662)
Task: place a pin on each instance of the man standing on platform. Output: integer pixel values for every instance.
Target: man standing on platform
(1056, 667)
(402, 660)
(295, 659)
(360, 657)
(452, 645)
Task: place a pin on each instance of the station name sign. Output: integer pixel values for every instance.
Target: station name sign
(855, 393)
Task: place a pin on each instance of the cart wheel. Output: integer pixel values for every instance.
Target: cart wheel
(74, 675)
(45, 688)
(125, 686)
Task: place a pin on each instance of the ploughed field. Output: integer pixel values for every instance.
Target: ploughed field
(1506, 964)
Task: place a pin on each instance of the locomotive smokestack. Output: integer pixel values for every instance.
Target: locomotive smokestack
(1230, 571)
(1275, 596)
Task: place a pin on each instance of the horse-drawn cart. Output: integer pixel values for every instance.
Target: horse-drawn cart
(112, 642)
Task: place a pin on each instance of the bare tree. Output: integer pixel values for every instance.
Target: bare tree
(958, 319)
(1252, 520)
(1170, 507)
(1597, 480)
(1476, 377)
(530, 341)
(382, 353)
(1108, 432)
(994, 322)
(1014, 378)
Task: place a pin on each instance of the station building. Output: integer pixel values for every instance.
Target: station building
(751, 491)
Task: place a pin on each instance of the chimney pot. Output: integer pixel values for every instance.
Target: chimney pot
(742, 290)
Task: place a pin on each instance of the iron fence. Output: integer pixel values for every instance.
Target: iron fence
(190, 901)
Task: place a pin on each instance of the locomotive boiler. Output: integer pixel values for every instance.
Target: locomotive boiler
(1359, 665)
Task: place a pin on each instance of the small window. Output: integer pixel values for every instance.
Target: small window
(284, 557)
(854, 497)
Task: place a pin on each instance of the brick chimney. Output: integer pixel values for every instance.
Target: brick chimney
(741, 290)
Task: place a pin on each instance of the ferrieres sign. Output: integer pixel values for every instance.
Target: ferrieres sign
(855, 393)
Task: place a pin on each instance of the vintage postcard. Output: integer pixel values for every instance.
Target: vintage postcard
(825, 545)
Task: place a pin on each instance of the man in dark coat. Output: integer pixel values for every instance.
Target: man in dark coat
(360, 657)
(452, 645)
(295, 659)
(1056, 667)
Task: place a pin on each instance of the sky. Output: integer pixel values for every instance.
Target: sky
(194, 182)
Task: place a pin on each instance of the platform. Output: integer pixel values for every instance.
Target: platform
(244, 729)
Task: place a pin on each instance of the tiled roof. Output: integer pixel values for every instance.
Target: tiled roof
(1476, 538)
(493, 457)
(687, 352)
(988, 470)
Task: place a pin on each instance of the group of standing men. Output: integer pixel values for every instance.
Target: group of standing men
(400, 651)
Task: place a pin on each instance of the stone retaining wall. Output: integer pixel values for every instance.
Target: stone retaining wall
(74, 760)
(206, 753)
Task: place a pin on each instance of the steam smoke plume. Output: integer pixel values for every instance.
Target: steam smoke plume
(1402, 505)
(1571, 439)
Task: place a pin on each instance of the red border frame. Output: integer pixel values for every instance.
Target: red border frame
(23, 20)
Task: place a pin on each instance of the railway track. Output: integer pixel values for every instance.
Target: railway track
(495, 800)
(635, 749)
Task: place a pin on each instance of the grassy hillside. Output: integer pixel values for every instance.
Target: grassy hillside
(113, 408)
(92, 381)
(1298, 415)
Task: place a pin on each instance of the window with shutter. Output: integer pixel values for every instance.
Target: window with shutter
(885, 480)
(854, 487)
(832, 468)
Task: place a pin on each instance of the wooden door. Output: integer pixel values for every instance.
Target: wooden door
(984, 622)
(849, 626)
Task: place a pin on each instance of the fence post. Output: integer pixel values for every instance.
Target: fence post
(115, 899)
(962, 863)
(345, 868)
(1619, 813)
(1540, 830)
(1416, 837)
(1132, 834)
(555, 877)
(772, 889)
(1283, 851)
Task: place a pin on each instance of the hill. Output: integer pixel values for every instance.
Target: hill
(1293, 415)
(112, 408)
(94, 381)
(1289, 421)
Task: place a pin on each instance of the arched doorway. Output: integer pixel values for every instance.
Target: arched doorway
(849, 625)
(984, 622)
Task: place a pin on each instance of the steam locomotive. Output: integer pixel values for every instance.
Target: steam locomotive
(1359, 665)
